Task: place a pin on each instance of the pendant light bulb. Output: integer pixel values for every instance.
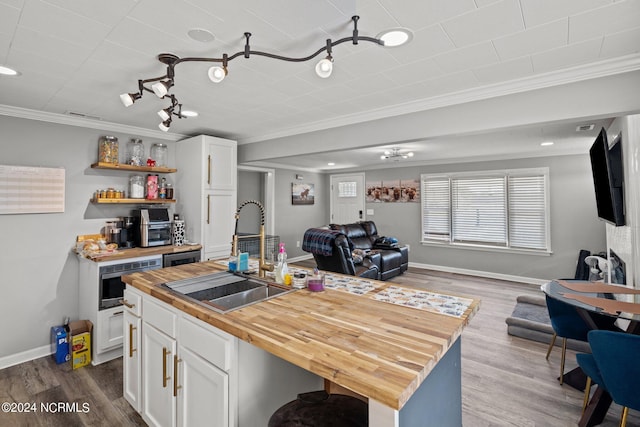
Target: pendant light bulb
(217, 74)
(161, 88)
(129, 98)
(164, 114)
(164, 126)
(324, 67)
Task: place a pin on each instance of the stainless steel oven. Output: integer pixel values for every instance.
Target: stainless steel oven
(179, 258)
(112, 287)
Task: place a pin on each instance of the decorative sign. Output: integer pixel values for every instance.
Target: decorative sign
(302, 194)
(399, 191)
(25, 189)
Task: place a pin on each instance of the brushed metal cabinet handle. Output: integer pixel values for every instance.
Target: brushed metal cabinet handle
(208, 208)
(209, 170)
(126, 303)
(131, 349)
(165, 378)
(175, 375)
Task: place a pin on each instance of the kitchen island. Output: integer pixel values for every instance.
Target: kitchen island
(405, 361)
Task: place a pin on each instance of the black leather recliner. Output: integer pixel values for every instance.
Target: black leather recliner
(333, 250)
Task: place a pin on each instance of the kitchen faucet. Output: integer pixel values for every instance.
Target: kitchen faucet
(262, 264)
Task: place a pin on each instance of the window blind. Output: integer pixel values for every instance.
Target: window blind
(436, 209)
(527, 215)
(493, 208)
(479, 214)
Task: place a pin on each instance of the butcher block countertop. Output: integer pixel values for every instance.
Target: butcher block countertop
(121, 254)
(378, 349)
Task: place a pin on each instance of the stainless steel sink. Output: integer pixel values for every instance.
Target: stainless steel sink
(225, 291)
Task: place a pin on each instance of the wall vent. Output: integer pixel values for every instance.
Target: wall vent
(584, 128)
(84, 116)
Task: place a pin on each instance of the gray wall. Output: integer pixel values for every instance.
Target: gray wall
(250, 186)
(39, 272)
(574, 222)
(292, 221)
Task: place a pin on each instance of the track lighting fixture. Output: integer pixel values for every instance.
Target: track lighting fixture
(129, 98)
(162, 84)
(396, 154)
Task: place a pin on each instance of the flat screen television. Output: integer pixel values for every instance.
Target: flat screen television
(608, 178)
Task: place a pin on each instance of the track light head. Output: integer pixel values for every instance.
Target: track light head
(129, 98)
(217, 74)
(164, 126)
(165, 114)
(161, 88)
(324, 68)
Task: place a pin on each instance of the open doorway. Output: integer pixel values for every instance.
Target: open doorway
(256, 183)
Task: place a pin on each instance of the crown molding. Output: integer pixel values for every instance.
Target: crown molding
(63, 119)
(590, 71)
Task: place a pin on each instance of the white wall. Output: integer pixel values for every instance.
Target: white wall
(39, 272)
(625, 240)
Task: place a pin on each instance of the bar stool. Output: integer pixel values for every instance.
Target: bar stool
(320, 409)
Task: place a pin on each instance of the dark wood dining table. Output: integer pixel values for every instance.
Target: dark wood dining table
(593, 300)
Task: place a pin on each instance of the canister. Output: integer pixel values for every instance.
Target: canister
(152, 187)
(135, 152)
(136, 187)
(159, 154)
(108, 149)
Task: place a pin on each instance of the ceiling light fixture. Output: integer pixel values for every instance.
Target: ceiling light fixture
(396, 154)
(162, 84)
(546, 143)
(6, 71)
(395, 37)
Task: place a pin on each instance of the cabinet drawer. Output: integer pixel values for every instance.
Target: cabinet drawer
(160, 316)
(132, 301)
(210, 345)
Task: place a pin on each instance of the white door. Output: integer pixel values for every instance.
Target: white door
(131, 360)
(347, 198)
(159, 404)
(203, 397)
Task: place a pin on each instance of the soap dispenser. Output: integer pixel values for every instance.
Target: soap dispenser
(281, 268)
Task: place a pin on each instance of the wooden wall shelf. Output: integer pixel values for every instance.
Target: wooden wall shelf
(132, 201)
(125, 167)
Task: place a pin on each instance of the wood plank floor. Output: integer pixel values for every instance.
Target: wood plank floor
(506, 380)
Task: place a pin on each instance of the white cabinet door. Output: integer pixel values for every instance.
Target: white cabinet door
(221, 171)
(219, 224)
(131, 360)
(110, 326)
(203, 397)
(159, 402)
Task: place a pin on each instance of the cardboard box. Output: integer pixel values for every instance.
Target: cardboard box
(59, 344)
(80, 342)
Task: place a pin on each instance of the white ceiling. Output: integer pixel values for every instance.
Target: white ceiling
(77, 56)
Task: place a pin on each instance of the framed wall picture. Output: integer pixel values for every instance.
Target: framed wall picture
(302, 194)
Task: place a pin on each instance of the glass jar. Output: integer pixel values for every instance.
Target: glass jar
(169, 191)
(108, 150)
(159, 154)
(136, 187)
(135, 152)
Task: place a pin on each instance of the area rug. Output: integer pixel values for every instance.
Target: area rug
(530, 320)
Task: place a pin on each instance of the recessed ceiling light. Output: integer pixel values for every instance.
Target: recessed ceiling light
(201, 35)
(331, 164)
(546, 143)
(189, 113)
(395, 37)
(6, 71)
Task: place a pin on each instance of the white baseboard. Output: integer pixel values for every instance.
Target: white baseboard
(25, 356)
(486, 274)
(300, 258)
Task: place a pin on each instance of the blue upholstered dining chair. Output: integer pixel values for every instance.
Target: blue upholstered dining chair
(617, 354)
(587, 363)
(567, 324)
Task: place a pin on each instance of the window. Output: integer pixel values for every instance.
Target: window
(499, 209)
(347, 189)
